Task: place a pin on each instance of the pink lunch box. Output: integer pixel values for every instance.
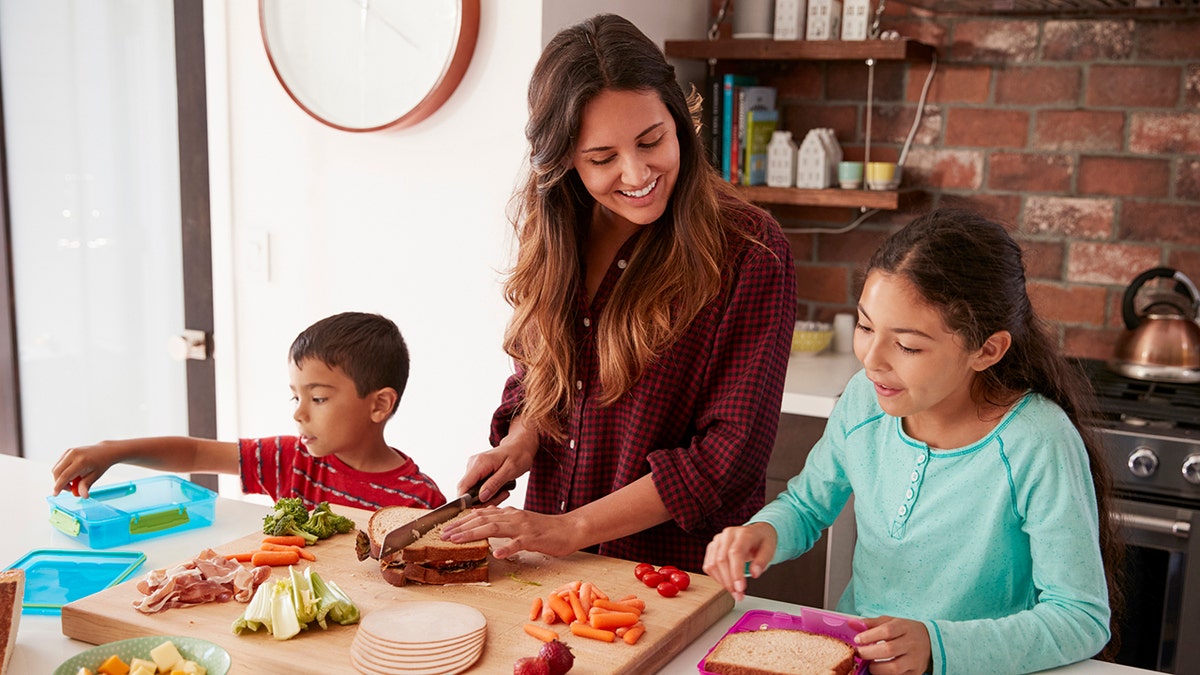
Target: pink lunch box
(810, 620)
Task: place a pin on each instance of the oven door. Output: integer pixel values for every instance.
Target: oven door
(1161, 626)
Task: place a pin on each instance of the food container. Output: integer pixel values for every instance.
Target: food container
(811, 337)
(114, 515)
(810, 621)
(55, 577)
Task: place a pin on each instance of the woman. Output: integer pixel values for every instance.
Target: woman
(652, 318)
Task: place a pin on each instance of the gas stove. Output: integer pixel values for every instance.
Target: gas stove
(1151, 432)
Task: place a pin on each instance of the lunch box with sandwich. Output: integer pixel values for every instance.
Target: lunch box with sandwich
(810, 621)
(114, 515)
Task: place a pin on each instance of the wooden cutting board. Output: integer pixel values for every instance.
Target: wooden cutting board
(671, 623)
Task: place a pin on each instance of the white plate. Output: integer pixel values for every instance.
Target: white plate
(212, 656)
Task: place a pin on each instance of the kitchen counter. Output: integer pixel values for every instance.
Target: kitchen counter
(41, 646)
(814, 383)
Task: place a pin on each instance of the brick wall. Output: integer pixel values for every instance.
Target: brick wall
(1082, 133)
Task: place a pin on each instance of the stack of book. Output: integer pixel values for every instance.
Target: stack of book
(743, 118)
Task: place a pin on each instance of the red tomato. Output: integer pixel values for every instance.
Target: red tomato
(653, 579)
(642, 570)
(75, 486)
(681, 579)
(667, 589)
(667, 570)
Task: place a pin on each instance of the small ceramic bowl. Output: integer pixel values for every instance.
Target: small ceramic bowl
(811, 337)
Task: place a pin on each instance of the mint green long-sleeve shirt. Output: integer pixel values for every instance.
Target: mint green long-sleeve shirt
(994, 546)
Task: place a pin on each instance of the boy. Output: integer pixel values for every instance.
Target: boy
(347, 373)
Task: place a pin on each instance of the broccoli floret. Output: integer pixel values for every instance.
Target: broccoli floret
(293, 506)
(324, 523)
(281, 523)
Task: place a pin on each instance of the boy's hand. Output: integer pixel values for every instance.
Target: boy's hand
(904, 644)
(79, 468)
(737, 551)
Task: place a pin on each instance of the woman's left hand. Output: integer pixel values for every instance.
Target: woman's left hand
(903, 642)
(526, 531)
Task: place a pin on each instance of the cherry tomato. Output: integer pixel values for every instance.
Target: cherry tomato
(653, 579)
(681, 579)
(667, 589)
(667, 570)
(642, 569)
(74, 485)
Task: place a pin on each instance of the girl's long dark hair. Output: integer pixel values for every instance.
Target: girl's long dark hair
(972, 271)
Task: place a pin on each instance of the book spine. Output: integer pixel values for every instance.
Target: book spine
(726, 124)
(737, 133)
(714, 129)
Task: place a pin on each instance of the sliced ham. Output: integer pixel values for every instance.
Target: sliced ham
(209, 577)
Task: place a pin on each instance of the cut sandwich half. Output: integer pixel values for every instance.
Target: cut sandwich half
(780, 651)
(430, 559)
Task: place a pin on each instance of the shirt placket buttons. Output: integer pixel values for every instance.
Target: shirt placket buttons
(910, 495)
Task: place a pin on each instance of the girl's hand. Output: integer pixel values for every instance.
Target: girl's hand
(730, 551)
(526, 531)
(904, 644)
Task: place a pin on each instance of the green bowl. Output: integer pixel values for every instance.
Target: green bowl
(212, 656)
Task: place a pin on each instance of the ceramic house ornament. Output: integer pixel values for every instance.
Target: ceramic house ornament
(856, 16)
(781, 160)
(789, 19)
(824, 20)
(812, 162)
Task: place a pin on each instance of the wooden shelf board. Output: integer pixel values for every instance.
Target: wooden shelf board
(815, 50)
(835, 197)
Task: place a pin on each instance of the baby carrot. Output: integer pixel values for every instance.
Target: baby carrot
(572, 585)
(562, 608)
(611, 620)
(281, 547)
(535, 610)
(286, 540)
(240, 557)
(548, 615)
(583, 630)
(619, 606)
(635, 631)
(576, 605)
(275, 558)
(586, 594)
(543, 634)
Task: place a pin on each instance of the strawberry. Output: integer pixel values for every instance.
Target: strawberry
(558, 656)
(531, 665)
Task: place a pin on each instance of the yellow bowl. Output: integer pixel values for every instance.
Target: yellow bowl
(811, 337)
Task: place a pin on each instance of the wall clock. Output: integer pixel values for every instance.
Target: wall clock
(365, 65)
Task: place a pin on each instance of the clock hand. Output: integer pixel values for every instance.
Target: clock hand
(365, 6)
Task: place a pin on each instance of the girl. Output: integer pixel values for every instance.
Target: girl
(652, 319)
(980, 500)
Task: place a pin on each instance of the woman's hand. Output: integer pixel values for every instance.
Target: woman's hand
(728, 552)
(509, 460)
(525, 530)
(904, 644)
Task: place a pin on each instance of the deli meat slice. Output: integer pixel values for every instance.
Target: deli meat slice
(209, 577)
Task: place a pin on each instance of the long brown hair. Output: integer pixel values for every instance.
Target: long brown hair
(676, 267)
(972, 271)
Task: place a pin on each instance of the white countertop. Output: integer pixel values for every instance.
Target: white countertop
(41, 646)
(814, 383)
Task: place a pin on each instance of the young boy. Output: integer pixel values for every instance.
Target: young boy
(347, 373)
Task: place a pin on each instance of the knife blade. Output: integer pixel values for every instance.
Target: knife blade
(409, 532)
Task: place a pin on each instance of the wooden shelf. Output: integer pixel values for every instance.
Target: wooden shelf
(802, 50)
(833, 197)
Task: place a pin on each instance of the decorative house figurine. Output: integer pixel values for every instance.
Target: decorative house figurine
(789, 19)
(856, 16)
(824, 20)
(812, 162)
(781, 160)
(834, 154)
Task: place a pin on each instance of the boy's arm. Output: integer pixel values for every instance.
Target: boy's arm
(81, 467)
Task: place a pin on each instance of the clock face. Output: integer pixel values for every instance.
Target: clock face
(362, 65)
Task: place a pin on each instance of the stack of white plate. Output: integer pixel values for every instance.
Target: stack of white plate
(419, 638)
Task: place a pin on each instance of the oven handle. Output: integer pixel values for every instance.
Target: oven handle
(1178, 528)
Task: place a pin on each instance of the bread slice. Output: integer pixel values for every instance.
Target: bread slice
(430, 559)
(779, 651)
(12, 592)
(431, 548)
(387, 519)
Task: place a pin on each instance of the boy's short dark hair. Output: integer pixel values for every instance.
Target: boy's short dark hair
(367, 347)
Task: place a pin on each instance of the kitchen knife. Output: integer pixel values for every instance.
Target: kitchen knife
(409, 532)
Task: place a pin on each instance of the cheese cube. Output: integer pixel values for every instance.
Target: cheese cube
(142, 664)
(193, 668)
(144, 669)
(166, 656)
(113, 665)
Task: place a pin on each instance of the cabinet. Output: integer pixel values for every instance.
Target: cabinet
(803, 50)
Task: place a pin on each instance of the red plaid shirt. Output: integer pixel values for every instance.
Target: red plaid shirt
(701, 419)
(281, 467)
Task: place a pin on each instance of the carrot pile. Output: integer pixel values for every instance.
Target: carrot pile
(275, 551)
(588, 612)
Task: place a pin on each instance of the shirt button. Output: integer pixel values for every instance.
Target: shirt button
(621, 264)
(907, 495)
(572, 445)
(578, 384)
(903, 509)
(586, 322)
(921, 459)
(915, 475)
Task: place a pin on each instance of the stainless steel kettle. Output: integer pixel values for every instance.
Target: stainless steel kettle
(1162, 339)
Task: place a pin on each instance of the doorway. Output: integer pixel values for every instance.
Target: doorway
(106, 223)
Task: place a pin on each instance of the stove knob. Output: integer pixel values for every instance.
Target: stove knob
(1191, 469)
(1143, 462)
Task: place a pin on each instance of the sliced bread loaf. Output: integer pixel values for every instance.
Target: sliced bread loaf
(12, 592)
(779, 651)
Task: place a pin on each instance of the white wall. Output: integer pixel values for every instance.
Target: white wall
(408, 223)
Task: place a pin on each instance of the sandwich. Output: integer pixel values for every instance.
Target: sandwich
(430, 559)
(780, 651)
(12, 591)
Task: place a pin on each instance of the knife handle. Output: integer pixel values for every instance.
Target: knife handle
(473, 493)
